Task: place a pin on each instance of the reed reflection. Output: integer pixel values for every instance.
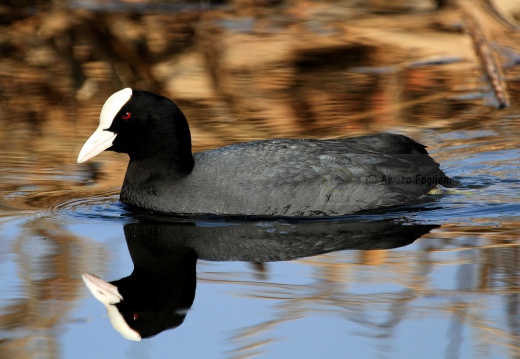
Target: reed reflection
(159, 292)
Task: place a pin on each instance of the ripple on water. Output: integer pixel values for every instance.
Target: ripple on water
(105, 208)
(73, 204)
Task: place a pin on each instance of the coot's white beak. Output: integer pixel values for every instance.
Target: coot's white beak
(102, 139)
(108, 294)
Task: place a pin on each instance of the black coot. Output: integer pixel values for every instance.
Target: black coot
(279, 177)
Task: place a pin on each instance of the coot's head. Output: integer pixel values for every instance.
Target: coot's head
(142, 124)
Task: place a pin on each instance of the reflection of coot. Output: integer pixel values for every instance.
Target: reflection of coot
(160, 290)
(281, 177)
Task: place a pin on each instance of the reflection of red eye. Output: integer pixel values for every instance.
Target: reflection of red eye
(126, 116)
(136, 316)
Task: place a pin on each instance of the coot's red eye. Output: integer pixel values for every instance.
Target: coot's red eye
(126, 116)
(136, 316)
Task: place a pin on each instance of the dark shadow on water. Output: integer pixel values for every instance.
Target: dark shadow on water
(157, 295)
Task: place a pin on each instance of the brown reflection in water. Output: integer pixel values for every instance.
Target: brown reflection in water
(50, 260)
(293, 70)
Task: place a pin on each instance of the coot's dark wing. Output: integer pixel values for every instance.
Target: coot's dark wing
(306, 177)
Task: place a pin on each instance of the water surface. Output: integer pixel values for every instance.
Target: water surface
(435, 280)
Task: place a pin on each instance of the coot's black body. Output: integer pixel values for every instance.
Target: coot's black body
(280, 177)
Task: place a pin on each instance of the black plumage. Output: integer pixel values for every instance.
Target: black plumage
(279, 177)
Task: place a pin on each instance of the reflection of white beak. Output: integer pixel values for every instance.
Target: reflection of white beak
(100, 140)
(103, 291)
(108, 294)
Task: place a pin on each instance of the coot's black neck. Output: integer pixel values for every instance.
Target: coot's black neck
(177, 151)
(147, 179)
(170, 162)
(146, 169)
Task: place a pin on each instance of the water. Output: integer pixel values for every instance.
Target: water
(453, 292)
(435, 280)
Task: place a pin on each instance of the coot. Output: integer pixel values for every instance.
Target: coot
(277, 177)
